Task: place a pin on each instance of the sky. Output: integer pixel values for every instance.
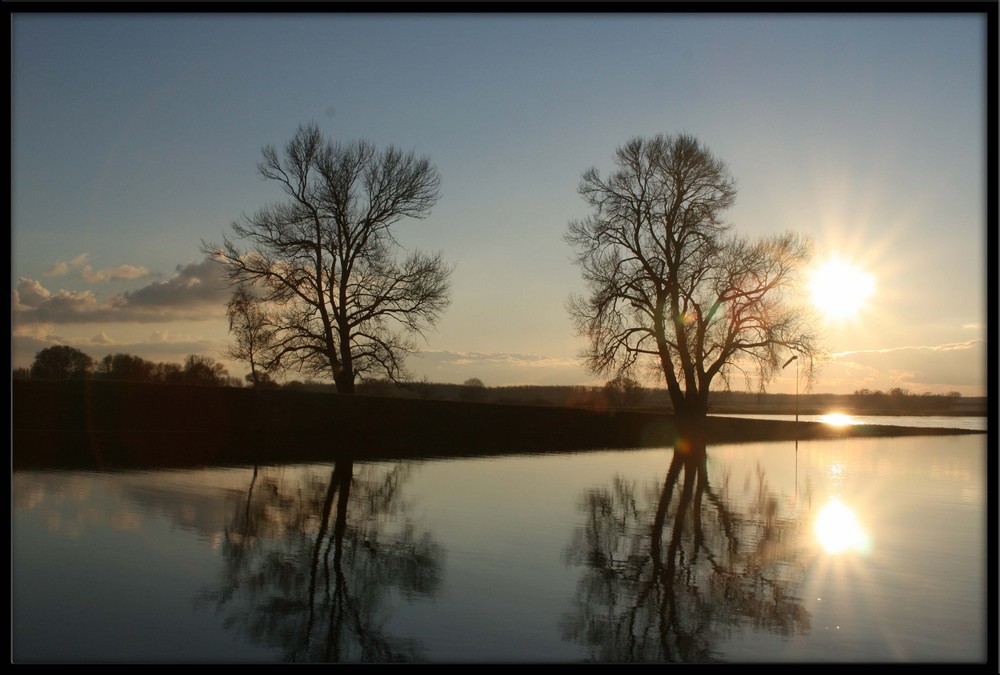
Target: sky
(135, 137)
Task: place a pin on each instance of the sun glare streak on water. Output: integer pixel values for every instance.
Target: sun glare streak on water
(838, 530)
(837, 419)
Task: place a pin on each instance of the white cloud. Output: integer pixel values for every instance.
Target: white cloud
(28, 294)
(57, 270)
(90, 275)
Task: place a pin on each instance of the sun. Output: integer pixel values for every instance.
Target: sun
(840, 289)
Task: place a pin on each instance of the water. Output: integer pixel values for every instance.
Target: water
(921, 421)
(543, 558)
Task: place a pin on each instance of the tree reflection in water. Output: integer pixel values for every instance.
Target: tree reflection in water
(311, 563)
(672, 573)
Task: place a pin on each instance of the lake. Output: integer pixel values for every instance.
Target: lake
(848, 550)
(922, 421)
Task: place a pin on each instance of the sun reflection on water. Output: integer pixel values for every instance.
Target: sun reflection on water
(837, 419)
(838, 530)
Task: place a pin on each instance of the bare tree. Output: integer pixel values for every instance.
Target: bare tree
(472, 389)
(204, 371)
(126, 367)
(669, 285)
(253, 334)
(623, 392)
(348, 305)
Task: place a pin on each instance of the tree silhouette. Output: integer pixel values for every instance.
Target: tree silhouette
(61, 362)
(204, 370)
(623, 392)
(346, 304)
(472, 389)
(311, 563)
(672, 571)
(126, 367)
(669, 287)
(253, 334)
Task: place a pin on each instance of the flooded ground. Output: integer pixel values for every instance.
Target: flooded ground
(851, 550)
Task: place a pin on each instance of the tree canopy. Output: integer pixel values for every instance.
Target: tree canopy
(670, 285)
(343, 298)
(61, 362)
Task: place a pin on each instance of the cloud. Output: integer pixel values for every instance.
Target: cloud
(28, 295)
(197, 291)
(499, 359)
(63, 266)
(89, 274)
(498, 368)
(192, 284)
(968, 344)
(938, 368)
(120, 273)
(57, 270)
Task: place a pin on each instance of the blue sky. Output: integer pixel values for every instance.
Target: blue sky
(136, 136)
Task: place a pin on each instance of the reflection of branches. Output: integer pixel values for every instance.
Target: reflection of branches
(667, 580)
(311, 563)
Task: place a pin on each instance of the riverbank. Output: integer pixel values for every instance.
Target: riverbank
(102, 424)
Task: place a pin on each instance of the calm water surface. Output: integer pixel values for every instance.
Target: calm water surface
(848, 550)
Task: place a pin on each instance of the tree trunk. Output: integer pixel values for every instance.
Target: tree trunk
(344, 380)
(691, 431)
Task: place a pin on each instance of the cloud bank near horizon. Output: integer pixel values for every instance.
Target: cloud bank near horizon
(196, 292)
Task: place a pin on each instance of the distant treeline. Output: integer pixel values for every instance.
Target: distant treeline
(625, 394)
(68, 363)
(62, 362)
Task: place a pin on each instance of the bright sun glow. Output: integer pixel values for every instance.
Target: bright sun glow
(840, 289)
(837, 419)
(838, 530)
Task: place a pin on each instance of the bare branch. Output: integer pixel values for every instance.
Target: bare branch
(343, 302)
(668, 284)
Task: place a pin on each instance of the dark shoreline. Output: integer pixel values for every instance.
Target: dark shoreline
(101, 425)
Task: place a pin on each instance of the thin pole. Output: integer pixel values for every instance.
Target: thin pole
(795, 357)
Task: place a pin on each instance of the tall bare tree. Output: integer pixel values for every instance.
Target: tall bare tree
(348, 303)
(670, 285)
(253, 334)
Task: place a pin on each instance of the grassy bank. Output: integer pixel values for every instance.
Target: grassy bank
(101, 424)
